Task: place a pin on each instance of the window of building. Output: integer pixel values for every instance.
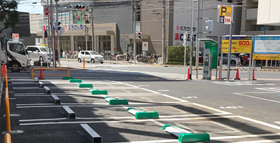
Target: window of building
(104, 44)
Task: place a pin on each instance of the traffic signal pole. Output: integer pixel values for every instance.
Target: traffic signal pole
(197, 37)
(134, 36)
(52, 31)
(191, 50)
(57, 37)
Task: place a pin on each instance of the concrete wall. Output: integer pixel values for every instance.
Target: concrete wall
(35, 20)
(120, 13)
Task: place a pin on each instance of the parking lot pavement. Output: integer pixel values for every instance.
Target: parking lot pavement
(35, 117)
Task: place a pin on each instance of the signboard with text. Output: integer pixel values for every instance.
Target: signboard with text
(145, 46)
(267, 45)
(15, 36)
(266, 48)
(239, 45)
(225, 14)
(179, 34)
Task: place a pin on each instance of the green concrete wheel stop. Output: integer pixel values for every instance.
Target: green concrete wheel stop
(193, 137)
(141, 114)
(85, 85)
(75, 80)
(116, 101)
(98, 91)
(185, 136)
(67, 78)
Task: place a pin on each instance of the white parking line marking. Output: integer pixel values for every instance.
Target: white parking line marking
(242, 136)
(36, 120)
(189, 97)
(261, 141)
(260, 122)
(257, 97)
(144, 120)
(231, 107)
(162, 90)
(143, 85)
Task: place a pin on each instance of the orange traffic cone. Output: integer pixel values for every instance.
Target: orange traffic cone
(219, 76)
(41, 74)
(188, 75)
(254, 74)
(237, 75)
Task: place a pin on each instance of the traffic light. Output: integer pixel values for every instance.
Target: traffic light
(57, 26)
(140, 35)
(209, 24)
(79, 7)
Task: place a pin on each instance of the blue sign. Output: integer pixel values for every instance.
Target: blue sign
(266, 45)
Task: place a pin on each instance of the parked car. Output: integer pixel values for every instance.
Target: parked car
(90, 56)
(234, 59)
(36, 53)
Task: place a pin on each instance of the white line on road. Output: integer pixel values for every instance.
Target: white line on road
(212, 138)
(144, 120)
(261, 141)
(257, 97)
(162, 90)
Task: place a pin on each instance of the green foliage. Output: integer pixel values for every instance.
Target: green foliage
(9, 16)
(176, 55)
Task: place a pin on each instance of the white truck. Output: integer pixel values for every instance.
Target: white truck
(13, 54)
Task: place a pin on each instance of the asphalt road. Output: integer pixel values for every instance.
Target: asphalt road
(236, 111)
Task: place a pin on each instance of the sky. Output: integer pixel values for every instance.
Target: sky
(27, 6)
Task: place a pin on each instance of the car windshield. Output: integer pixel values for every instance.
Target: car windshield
(18, 48)
(43, 49)
(94, 53)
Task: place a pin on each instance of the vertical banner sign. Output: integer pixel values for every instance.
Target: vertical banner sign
(224, 14)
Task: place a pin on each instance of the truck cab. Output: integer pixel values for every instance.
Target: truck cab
(14, 53)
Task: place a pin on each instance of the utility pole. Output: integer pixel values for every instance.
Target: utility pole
(86, 37)
(52, 31)
(57, 37)
(163, 33)
(134, 29)
(49, 33)
(92, 29)
(191, 49)
(197, 37)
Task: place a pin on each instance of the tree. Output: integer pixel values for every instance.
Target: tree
(9, 16)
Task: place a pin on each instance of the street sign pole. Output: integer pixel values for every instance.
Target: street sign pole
(197, 37)
(229, 52)
(191, 49)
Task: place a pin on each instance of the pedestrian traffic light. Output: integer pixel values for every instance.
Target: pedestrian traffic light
(209, 24)
(57, 26)
(140, 35)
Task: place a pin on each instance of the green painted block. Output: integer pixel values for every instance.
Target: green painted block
(194, 137)
(147, 115)
(118, 102)
(75, 80)
(66, 78)
(98, 91)
(85, 85)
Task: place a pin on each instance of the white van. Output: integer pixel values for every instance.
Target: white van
(90, 56)
(38, 53)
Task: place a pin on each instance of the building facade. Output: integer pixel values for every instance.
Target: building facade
(249, 21)
(111, 19)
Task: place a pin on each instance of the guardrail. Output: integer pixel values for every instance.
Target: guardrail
(65, 69)
(7, 103)
(7, 138)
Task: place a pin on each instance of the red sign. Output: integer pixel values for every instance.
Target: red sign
(65, 27)
(46, 11)
(177, 36)
(44, 28)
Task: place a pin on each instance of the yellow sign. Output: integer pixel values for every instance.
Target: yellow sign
(43, 45)
(238, 46)
(266, 56)
(225, 14)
